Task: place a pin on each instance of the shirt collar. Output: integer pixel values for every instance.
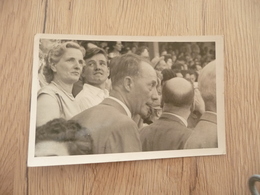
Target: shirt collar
(123, 105)
(181, 118)
(95, 90)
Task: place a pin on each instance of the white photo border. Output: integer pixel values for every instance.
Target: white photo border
(117, 157)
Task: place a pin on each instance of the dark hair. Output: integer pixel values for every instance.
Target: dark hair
(125, 65)
(193, 72)
(140, 50)
(94, 51)
(177, 71)
(55, 55)
(168, 74)
(167, 57)
(171, 96)
(177, 65)
(111, 45)
(71, 132)
(185, 72)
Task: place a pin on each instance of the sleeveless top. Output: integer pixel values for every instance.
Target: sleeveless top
(66, 101)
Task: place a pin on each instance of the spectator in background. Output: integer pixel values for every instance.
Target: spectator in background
(194, 77)
(195, 48)
(168, 60)
(94, 76)
(133, 49)
(64, 64)
(103, 44)
(170, 131)
(177, 66)
(110, 123)
(185, 74)
(205, 132)
(143, 51)
(167, 74)
(87, 44)
(178, 73)
(60, 137)
(115, 49)
(158, 63)
(174, 58)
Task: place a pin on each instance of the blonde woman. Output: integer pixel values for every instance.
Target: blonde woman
(63, 67)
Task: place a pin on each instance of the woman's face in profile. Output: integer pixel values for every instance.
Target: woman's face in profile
(51, 148)
(69, 68)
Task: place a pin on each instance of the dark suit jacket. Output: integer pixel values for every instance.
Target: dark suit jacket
(167, 133)
(205, 133)
(111, 129)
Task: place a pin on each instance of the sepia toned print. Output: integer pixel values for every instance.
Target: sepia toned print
(116, 98)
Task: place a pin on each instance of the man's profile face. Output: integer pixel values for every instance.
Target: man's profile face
(95, 71)
(145, 89)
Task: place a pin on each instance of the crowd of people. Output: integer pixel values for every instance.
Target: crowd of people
(113, 97)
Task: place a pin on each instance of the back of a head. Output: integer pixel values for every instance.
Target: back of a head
(178, 92)
(168, 74)
(125, 65)
(70, 132)
(207, 86)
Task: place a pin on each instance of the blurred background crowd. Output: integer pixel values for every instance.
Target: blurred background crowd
(185, 58)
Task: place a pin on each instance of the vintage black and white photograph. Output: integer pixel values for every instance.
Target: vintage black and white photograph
(99, 99)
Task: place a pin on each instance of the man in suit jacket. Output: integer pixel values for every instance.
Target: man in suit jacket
(205, 132)
(170, 131)
(110, 123)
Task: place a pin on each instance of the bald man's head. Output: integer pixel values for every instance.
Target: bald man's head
(178, 92)
(207, 86)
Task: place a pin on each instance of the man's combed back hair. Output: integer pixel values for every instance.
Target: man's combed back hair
(125, 65)
(178, 97)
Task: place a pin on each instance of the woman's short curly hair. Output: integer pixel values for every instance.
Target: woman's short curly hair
(77, 138)
(54, 56)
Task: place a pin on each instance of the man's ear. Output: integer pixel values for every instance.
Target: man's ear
(53, 68)
(128, 83)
